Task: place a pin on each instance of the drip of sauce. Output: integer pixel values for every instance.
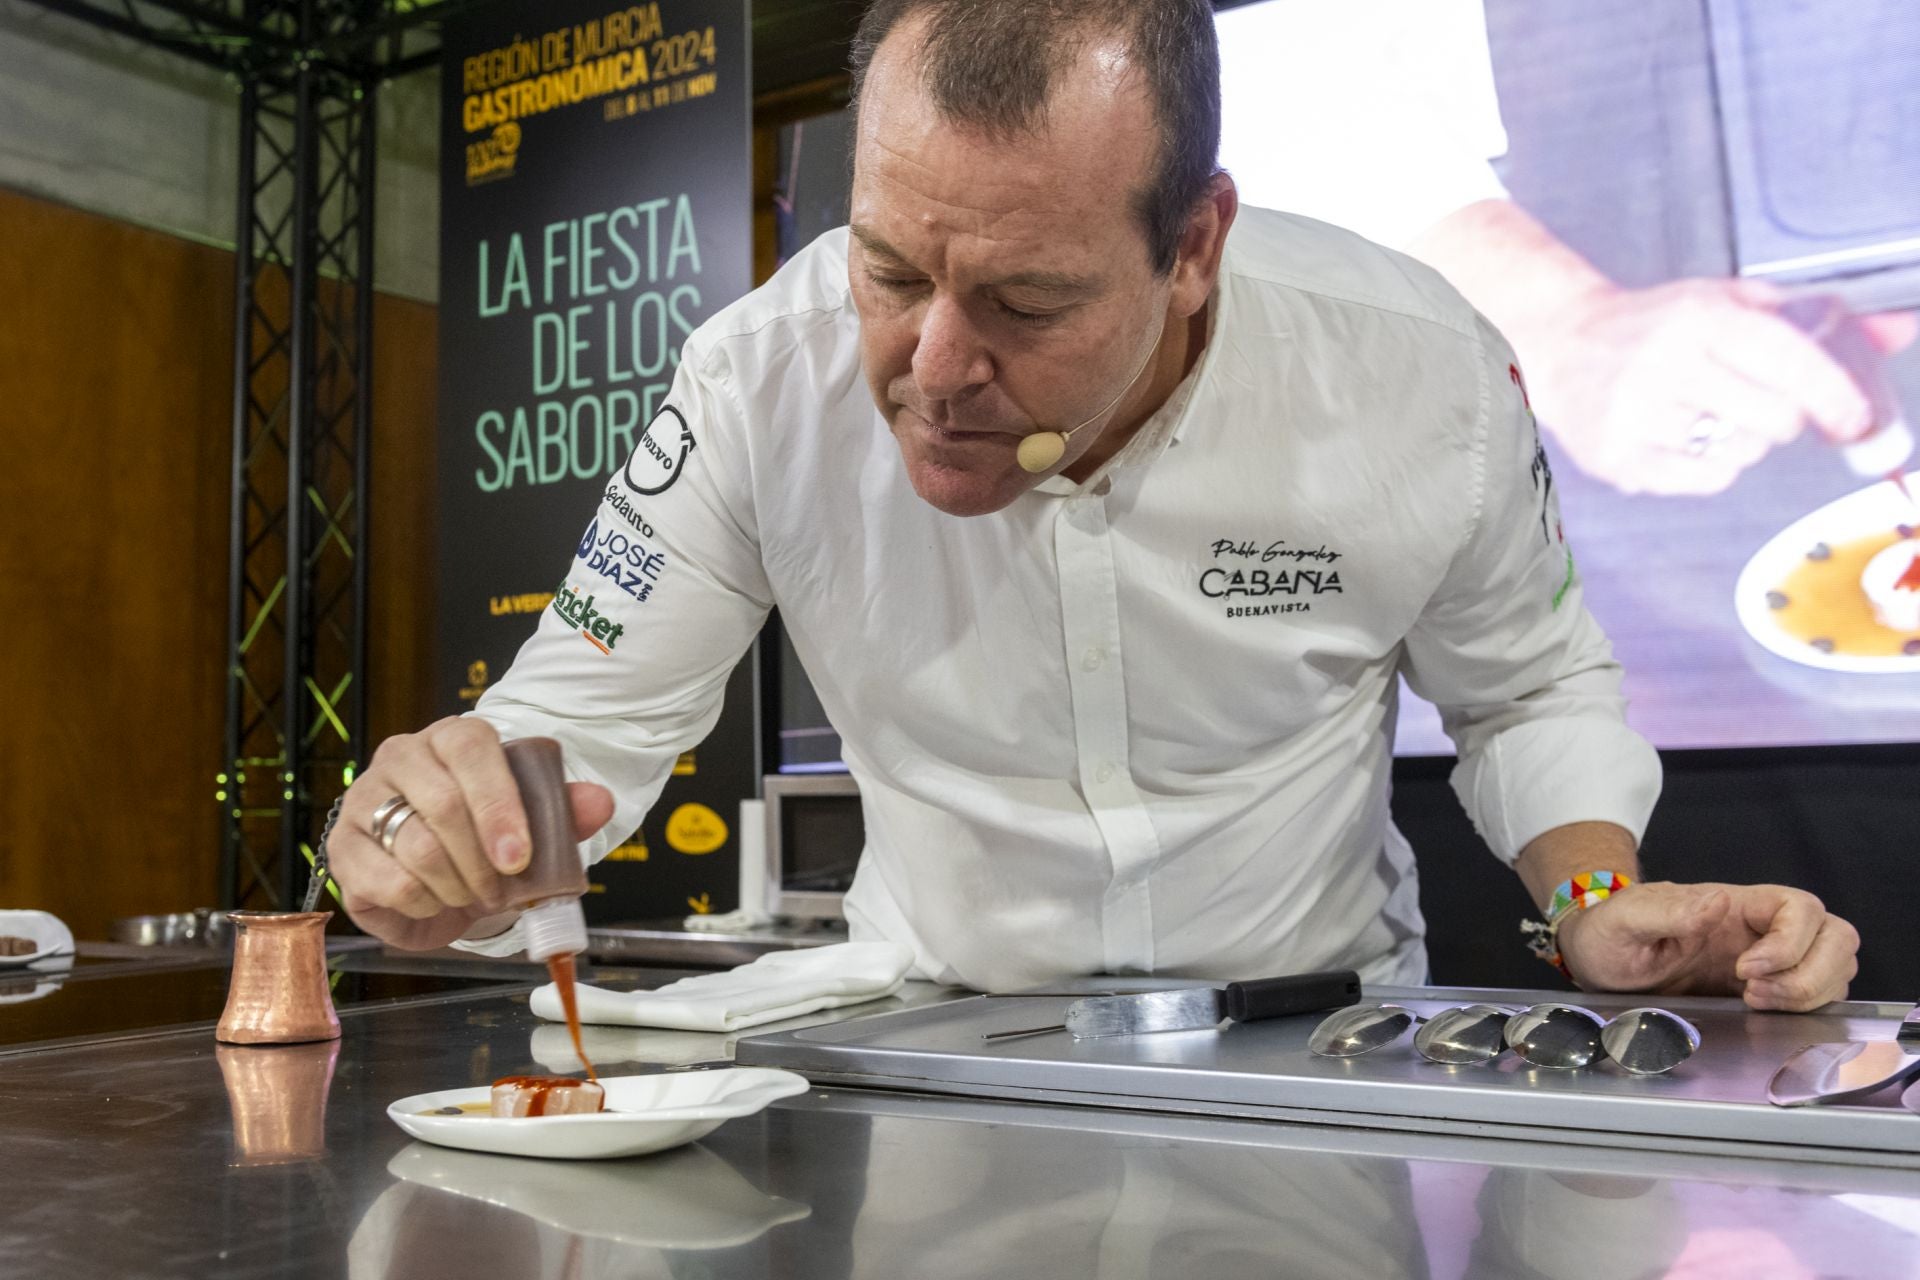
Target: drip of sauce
(1823, 602)
(560, 969)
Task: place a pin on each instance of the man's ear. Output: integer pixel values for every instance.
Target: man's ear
(1198, 264)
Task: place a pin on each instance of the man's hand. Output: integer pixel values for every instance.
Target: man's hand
(444, 876)
(1776, 947)
(1674, 389)
(1678, 389)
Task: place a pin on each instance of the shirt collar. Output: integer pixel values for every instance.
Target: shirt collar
(1159, 432)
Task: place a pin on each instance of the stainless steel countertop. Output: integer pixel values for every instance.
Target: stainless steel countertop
(167, 1155)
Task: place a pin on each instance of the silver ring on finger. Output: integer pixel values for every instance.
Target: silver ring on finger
(391, 832)
(1708, 432)
(387, 818)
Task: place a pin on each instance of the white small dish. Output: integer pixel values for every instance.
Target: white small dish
(50, 936)
(1878, 508)
(644, 1114)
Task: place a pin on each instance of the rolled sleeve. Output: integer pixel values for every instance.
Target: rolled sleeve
(1526, 682)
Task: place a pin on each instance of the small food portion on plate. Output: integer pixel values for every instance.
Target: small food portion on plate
(517, 1096)
(1840, 587)
(1892, 586)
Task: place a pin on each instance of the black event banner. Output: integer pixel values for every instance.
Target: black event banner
(596, 206)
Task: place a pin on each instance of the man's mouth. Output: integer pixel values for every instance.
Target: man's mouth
(957, 434)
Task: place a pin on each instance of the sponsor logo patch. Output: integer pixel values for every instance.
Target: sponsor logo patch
(578, 611)
(661, 454)
(622, 559)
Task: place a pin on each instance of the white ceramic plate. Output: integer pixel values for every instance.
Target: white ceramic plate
(1878, 508)
(52, 937)
(644, 1114)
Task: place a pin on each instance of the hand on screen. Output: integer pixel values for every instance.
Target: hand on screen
(1775, 947)
(468, 830)
(1677, 389)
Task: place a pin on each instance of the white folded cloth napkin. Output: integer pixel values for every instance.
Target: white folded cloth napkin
(779, 985)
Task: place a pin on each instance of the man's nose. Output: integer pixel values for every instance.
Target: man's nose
(949, 356)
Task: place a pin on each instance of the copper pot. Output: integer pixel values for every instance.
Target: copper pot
(278, 993)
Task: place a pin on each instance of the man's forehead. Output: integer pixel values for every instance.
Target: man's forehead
(1079, 165)
(1002, 270)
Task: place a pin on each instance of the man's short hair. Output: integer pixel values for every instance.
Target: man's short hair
(992, 64)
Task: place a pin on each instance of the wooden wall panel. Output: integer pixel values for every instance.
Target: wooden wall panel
(115, 353)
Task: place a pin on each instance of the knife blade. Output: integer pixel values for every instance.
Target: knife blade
(1196, 1008)
(1844, 1070)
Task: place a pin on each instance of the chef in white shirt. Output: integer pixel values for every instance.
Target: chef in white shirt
(1105, 515)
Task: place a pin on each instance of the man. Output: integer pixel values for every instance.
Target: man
(1109, 600)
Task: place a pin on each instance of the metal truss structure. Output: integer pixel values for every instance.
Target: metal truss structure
(308, 72)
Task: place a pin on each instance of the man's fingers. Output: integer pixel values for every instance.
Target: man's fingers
(413, 769)
(1821, 976)
(1892, 330)
(418, 852)
(1769, 351)
(1786, 922)
(370, 881)
(1744, 404)
(471, 752)
(1651, 913)
(592, 808)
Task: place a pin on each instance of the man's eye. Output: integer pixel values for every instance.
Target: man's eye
(896, 284)
(1026, 317)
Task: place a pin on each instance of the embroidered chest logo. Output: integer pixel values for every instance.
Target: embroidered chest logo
(1256, 578)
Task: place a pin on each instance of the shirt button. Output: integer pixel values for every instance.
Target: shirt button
(1103, 774)
(1093, 657)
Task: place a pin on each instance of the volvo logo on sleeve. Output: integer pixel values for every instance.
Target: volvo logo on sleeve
(661, 454)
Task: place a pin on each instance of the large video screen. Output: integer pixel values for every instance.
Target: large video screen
(1699, 225)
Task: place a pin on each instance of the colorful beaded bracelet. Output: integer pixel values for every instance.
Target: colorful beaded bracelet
(1587, 889)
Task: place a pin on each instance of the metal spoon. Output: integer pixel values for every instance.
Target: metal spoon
(1649, 1041)
(1463, 1035)
(1558, 1036)
(1352, 1032)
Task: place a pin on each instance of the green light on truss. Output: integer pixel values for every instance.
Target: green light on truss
(220, 795)
(348, 774)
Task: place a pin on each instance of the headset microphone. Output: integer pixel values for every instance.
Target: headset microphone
(1043, 449)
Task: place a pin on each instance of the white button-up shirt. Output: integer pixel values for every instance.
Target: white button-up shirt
(1141, 724)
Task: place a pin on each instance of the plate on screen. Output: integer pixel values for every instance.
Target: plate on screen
(1800, 597)
(644, 1114)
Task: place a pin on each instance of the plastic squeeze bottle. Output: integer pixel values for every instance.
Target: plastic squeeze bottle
(549, 889)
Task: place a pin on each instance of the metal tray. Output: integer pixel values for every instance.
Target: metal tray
(1714, 1102)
